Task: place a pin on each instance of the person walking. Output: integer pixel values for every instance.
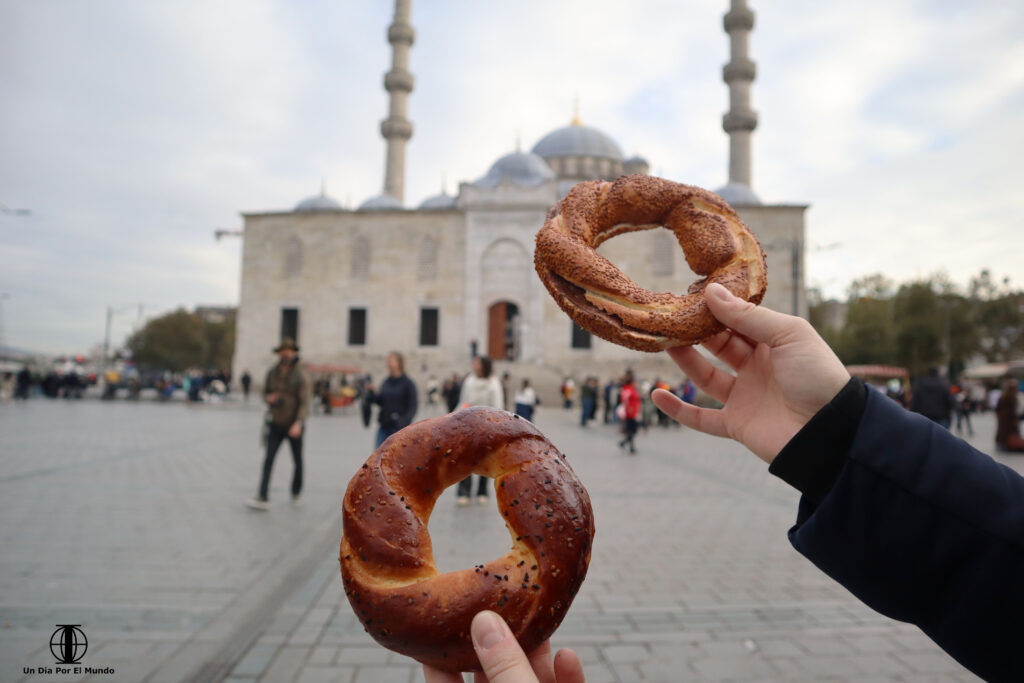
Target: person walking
(526, 401)
(246, 385)
(629, 400)
(286, 391)
(588, 400)
(1008, 420)
(932, 398)
(480, 388)
(397, 399)
(962, 400)
(451, 391)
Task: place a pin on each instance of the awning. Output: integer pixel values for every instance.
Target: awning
(878, 372)
(986, 371)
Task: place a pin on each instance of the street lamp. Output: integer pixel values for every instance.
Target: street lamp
(111, 311)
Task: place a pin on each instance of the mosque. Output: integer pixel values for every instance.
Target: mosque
(454, 276)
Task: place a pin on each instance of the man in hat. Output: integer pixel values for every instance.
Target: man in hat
(286, 391)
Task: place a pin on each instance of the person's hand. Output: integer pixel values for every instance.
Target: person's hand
(271, 398)
(503, 661)
(785, 373)
(295, 431)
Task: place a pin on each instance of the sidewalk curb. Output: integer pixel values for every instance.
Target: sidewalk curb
(211, 653)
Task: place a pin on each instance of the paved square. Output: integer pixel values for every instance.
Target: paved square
(128, 519)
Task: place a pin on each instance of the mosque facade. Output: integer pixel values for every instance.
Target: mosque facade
(454, 276)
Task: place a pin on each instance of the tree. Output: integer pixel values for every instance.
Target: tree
(180, 340)
(868, 335)
(920, 326)
(998, 317)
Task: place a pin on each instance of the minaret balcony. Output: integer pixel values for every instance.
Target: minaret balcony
(739, 19)
(398, 80)
(739, 70)
(401, 33)
(739, 120)
(396, 128)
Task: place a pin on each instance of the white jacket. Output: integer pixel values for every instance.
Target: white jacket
(481, 391)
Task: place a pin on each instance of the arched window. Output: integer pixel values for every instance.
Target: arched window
(663, 253)
(426, 265)
(360, 258)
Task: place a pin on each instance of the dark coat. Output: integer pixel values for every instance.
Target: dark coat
(916, 523)
(932, 398)
(397, 400)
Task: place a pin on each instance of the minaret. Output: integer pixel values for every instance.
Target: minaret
(740, 121)
(396, 128)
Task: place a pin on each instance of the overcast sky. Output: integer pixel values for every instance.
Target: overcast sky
(134, 129)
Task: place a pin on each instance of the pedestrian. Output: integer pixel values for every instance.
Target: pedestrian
(526, 401)
(246, 385)
(451, 391)
(962, 403)
(932, 398)
(23, 383)
(506, 391)
(286, 391)
(1008, 419)
(568, 388)
(608, 414)
(588, 400)
(396, 397)
(629, 411)
(479, 388)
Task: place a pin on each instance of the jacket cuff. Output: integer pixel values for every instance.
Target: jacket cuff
(812, 460)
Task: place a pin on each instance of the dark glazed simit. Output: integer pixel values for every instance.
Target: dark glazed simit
(387, 561)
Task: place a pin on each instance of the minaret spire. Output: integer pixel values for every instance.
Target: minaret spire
(396, 128)
(740, 121)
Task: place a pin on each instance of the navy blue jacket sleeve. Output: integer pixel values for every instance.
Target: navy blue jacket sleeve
(916, 523)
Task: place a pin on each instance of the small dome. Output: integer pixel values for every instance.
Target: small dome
(635, 161)
(577, 140)
(321, 202)
(521, 168)
(439, 201)
(738, 194)
(382, 202)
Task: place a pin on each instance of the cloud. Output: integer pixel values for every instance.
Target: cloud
(134, 129)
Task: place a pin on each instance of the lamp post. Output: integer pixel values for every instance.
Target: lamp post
(111, 312)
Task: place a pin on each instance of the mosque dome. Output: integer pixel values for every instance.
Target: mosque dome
(577, 140)
(320, 202)
(738, 194)
(382, 202)
(521, 168)
(438, 202)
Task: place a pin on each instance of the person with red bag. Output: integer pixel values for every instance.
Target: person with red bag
(629, 406)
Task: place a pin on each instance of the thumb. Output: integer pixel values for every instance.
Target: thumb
(750, 320)
(501, 658)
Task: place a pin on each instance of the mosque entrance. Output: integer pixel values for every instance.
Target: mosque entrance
(503, 331)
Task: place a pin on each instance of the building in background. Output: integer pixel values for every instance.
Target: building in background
(454, 276)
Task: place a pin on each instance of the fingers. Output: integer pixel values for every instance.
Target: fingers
(432, 675)
(501, 658)
(568, 668)
(714, 382)
(756, 322)
(702, 419)
(730, 347)
(540, 660)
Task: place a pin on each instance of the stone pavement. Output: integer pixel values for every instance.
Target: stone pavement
(127, 519)
(691, 579)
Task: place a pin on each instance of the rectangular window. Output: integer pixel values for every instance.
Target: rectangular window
(429, 318)
(356, 326)
(580, 337)
(290, 323)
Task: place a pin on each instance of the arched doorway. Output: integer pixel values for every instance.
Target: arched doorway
(503, 331)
